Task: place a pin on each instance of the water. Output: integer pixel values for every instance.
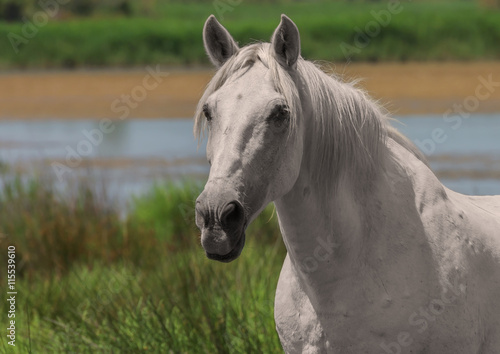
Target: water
(167, 139)
(465, 156)
(136, 153)
(478, 135)
(128, 159)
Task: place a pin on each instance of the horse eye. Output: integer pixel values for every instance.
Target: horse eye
(206, 112)
(279, 116)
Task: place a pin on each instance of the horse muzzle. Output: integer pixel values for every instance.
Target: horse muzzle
(222, 222)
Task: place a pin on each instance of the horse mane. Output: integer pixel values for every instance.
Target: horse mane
(349, 127)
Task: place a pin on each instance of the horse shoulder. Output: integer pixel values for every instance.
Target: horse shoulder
(463, 233)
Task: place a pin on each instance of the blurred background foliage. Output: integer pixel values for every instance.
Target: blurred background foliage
(91, 279)
(130, 33)
(15, 10)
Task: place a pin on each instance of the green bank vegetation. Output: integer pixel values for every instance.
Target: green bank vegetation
(88, 280)
(169, 33)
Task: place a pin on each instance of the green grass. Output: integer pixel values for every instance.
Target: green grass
(89, 280)
(171, 34)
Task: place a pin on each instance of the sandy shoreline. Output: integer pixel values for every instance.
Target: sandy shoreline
(413, 88)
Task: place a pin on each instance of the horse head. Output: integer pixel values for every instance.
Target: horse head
(255, 140)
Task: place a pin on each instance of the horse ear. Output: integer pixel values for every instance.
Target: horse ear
(219, 44)
(286, 42)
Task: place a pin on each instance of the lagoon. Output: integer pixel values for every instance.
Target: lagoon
(139, 152)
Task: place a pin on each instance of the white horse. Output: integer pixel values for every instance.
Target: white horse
(381, 257)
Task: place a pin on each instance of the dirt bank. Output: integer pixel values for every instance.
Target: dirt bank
(402, 88)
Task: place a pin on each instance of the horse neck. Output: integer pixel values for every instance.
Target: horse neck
(326, 207)
(322, 231)
(337, 236)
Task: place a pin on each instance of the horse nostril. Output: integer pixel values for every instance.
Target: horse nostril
(202, 218)
(231, 213)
